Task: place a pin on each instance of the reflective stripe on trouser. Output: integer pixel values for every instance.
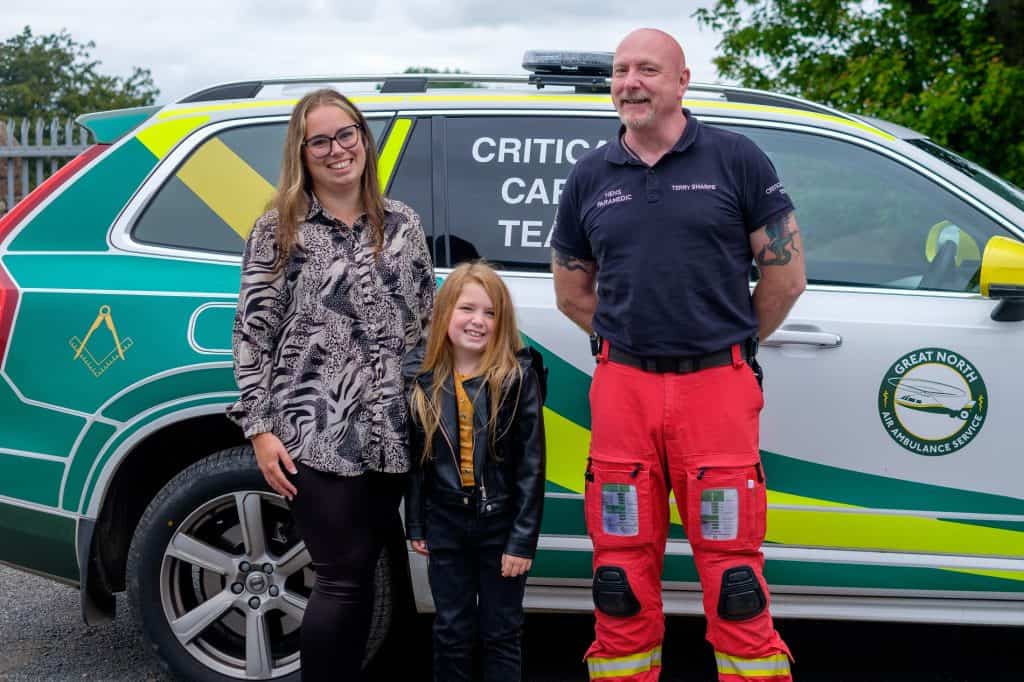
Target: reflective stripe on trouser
(700, 430)
(647, 662)
(767, 669)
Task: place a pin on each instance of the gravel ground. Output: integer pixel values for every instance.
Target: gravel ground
(44, 638)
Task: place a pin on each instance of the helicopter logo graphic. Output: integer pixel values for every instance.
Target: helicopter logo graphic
(932, 401)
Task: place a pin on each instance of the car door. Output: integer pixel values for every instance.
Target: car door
(891, 429)
(504, 174)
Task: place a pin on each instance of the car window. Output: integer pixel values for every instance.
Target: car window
(505, 175)
(413, 179)
(213, 198)
(867, 220)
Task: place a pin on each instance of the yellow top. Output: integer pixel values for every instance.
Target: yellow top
(465, 431)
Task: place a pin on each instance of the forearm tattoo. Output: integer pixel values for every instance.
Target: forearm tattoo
(780, 248)
(571, 263)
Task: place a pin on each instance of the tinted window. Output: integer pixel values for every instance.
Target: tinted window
(212, 200)
(505, 175)
(867, 220)
(413, 180)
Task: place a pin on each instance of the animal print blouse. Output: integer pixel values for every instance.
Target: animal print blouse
(318, 344)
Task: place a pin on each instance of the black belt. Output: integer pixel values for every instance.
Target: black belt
(683, 364)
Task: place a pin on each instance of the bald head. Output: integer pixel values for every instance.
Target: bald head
(649, 78)
(656, 43)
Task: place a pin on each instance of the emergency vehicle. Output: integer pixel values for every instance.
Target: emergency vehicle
(118, 282)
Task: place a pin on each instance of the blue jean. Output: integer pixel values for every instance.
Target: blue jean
(473, 601)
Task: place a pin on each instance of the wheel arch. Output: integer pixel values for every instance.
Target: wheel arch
(126, 485)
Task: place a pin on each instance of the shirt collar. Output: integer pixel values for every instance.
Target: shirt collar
(617, 154)
(316, 208)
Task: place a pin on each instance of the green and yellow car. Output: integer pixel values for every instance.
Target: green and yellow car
(118, 283)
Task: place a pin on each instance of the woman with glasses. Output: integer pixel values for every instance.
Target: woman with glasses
(337, 286)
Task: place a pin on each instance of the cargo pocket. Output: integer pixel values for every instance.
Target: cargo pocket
(725, 508)
(618, 502)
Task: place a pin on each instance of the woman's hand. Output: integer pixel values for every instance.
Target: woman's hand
(270, 455)
(514, 566)
(420, 547)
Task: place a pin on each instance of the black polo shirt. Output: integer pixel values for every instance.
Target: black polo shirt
(671, 241)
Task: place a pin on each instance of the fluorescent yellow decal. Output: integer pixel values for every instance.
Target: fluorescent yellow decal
(389, 155)
(227, 184)
(161, 138)
(568, 445)
(100, 365)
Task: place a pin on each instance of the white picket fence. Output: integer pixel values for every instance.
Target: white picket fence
(34, 148)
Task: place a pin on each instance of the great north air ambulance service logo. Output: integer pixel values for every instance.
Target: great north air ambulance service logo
(933, 401)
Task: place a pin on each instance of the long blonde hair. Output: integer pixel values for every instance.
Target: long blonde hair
(498, 366)
(293, 190)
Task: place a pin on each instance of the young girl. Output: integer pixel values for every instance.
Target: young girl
(477, 481)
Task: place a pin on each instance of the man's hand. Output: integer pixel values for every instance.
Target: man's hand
(779, 256)
(420, 547)
(271, 455)
(514, 566)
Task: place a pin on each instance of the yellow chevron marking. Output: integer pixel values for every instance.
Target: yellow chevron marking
(392, 148)
(227, 184)
(161, 138)
(884, 531)
(568, 445)
(568, 99)
(736, 106)
(1005, 575)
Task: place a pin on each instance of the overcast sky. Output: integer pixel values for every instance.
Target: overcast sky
(189, 45)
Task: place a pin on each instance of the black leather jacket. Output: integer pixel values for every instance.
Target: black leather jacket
(509, 480)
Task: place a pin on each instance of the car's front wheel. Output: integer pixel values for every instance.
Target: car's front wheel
(218, 579)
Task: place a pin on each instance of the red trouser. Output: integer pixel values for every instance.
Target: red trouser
(698, 434)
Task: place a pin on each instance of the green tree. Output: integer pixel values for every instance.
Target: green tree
(938, 66)
(443, 84)
(54, 75)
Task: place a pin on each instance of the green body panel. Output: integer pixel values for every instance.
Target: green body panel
(174, 387)
(36, 429)
(113, 445)
(109, 126)
(567, 564)
(797, 477)
(32, 480)
(153, 332)
(39, 541)
(79, 217)
(88, 449)
(124, 273)
(568, 388)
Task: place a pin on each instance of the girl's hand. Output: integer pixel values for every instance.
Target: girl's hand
(420, 547)
(513, 566)
(270, 455)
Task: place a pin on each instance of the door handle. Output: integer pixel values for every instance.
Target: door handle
(803, 337)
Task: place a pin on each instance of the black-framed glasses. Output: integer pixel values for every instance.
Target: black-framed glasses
(346, 137)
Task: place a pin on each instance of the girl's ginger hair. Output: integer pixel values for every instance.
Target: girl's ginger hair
(295, 186)
(498, 366)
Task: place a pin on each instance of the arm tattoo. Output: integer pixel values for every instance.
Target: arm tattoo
(571, 263)
(779, 249)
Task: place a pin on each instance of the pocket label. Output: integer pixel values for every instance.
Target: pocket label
(719, 513)
(620, 510)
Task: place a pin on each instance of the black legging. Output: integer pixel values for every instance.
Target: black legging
(344, 521)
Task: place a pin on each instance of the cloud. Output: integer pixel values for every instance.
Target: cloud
(191, 45)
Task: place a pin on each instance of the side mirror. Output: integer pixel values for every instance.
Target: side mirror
(1002, 278)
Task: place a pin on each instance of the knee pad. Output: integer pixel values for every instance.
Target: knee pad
(741, 596)
(612, 594)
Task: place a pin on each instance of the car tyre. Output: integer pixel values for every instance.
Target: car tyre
(218, 578)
